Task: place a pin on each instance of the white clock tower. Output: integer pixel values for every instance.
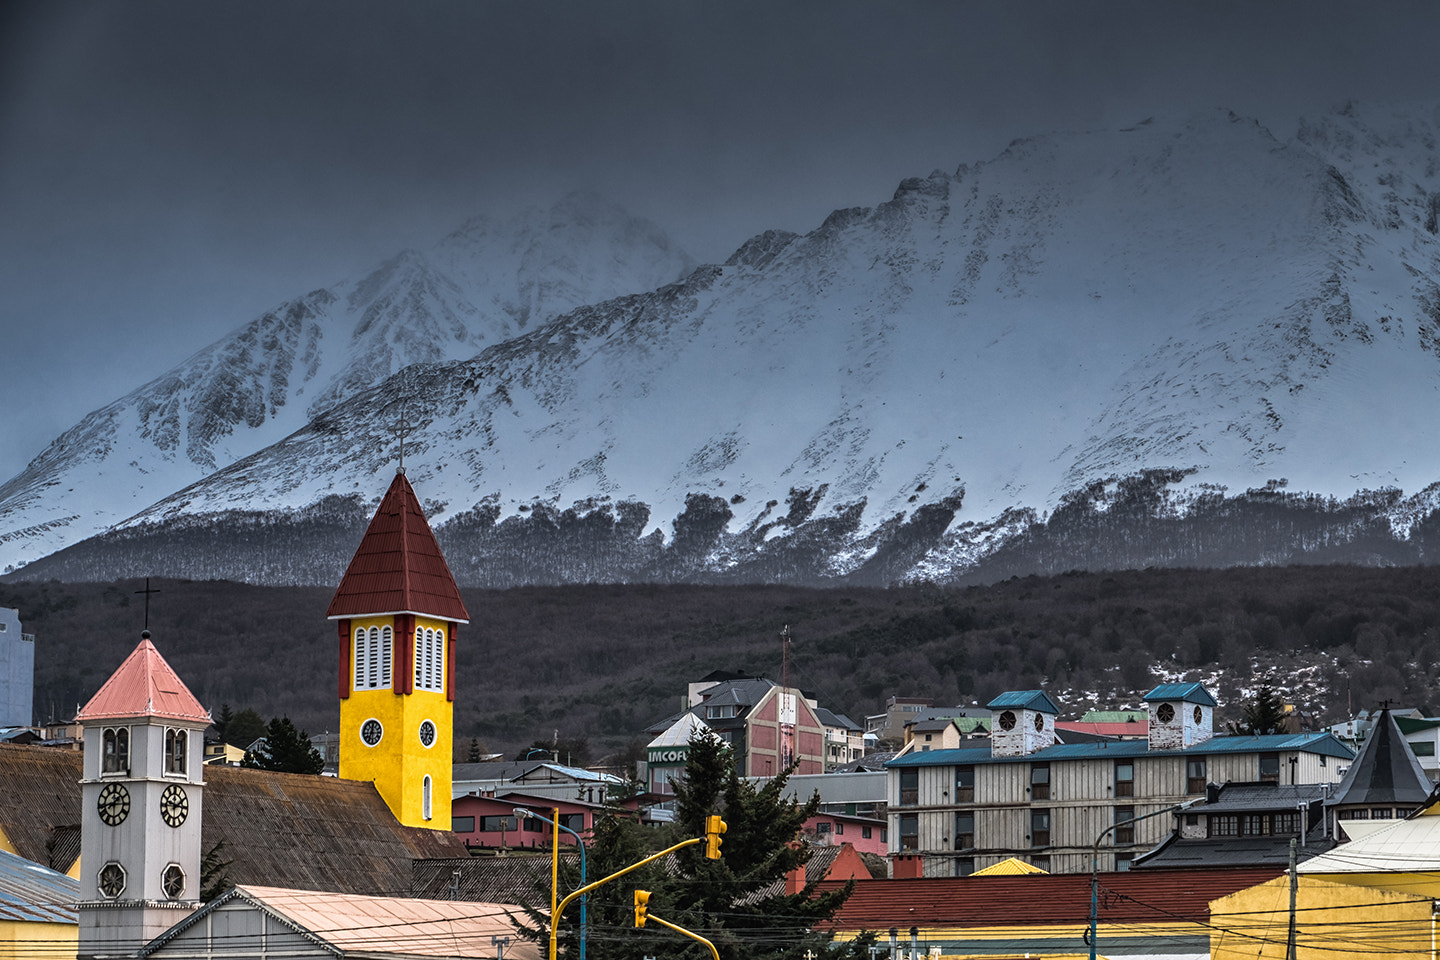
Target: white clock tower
(141, 800)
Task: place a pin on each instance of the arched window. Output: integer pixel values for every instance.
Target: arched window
(115, 752)
(425, 791)
(358, 656)
(373, 658)
(429, 659)
(175, 741)
(386, 645)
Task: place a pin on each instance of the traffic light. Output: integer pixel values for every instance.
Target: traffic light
(714, 826)
(642, 906)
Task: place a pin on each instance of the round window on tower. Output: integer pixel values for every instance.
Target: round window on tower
(1199, 715)
(371, 731)
(427, 734)
(1007, 720)
(1165, 712)
(1039, 722)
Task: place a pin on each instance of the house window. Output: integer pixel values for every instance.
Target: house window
(1255, 825)
(1123, 861)
(1287, 824)
(1381, 813)
(1039, 828)
(910, 832)
(115, 750)
(909, 786)
(1124, 778)
(372, 658)
(964, 830)
(1039, 781)
(839, 829)
(425, 791)
(1269, 768)
(1425, 748)
(965, 784)
(1225, 825)
(1124, 831)
(884, 834)
(964, 866)
(822, 827)
(1194, 776)
(1042, 862)
(429, 659)
(720, 712)
(496, 824)
(462, 824)
(865, 833)
(175, 741)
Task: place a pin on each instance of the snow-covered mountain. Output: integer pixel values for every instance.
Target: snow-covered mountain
(480, 285)
(1185, 341)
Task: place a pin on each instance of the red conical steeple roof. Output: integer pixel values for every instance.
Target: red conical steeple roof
(398, 567)
(144, 686)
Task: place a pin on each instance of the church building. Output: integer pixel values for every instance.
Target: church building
(398, 610)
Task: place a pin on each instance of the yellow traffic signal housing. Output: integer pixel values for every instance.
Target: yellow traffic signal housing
(642, 906)
(714, 827)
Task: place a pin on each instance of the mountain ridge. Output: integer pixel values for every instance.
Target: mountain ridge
(1158, 316)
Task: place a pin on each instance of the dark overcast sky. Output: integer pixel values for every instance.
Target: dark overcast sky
(169, 170)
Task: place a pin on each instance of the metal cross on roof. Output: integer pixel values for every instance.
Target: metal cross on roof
(147, 591)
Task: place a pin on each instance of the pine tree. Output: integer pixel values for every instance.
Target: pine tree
(1263, 713)
(285, 749)
(244, 728)
(722, 900)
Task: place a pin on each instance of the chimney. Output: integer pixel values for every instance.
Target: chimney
(795, 879)
(909, 866)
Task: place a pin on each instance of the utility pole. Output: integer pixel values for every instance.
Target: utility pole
(1294, 888)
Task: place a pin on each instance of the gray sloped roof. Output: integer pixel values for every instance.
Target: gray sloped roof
(1385, 771)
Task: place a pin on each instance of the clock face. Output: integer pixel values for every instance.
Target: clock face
(1007, 720)
(1039, 722)
(173, 880)
(174, 805)
(427, 733)
(112, 880)
(371, 732)
(1165, 713)
(114, 803)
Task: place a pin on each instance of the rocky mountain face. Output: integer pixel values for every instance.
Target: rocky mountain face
(482, 284)
(1186, 342)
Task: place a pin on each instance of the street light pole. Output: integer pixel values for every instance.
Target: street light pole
(524, 812)
(1095, 861)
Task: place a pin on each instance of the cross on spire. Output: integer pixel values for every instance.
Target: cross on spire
(402, 428)
(147, 591)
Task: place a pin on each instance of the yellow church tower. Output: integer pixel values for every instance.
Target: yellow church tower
(398, 609)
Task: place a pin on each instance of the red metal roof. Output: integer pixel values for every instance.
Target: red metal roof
(398, 567)
(144, 686)
(1135, 896)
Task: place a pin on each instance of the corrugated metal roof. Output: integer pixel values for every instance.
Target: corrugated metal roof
(377, 926)
(1139, 896)
(1187, 692)
(398, 567)
(30, 893)
(1025, 700)
(144, 686)
(1321, 743)
(1396, 846)
(507, 879)
(321, 833)
(1009, 867)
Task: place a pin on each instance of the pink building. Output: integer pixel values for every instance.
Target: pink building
(492, 822)
(865, 834)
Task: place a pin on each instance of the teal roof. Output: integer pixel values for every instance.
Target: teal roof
(1324, 744)
(1024, 700)
(1188, 692)
(30, 893)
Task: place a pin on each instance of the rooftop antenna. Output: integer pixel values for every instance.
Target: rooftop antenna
(147, 591)
(785, 658)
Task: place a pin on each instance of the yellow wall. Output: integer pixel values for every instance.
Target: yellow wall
(1332, 920)
(35, 941)
(399, 763)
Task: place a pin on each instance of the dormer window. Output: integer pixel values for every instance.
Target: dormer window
(115, 751)
(723, 711)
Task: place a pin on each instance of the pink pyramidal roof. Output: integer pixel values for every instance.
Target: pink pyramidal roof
(144, 686)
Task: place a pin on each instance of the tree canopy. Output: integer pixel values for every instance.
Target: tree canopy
(286, 749)
(737, 901)
(1262, 713)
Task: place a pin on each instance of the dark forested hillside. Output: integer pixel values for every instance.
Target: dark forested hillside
(602, 662)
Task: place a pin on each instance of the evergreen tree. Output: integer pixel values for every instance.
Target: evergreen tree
(474, 755)
(222, 722)
(1262, 714)
(244, 728)
(725, 900)
(285, 749)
